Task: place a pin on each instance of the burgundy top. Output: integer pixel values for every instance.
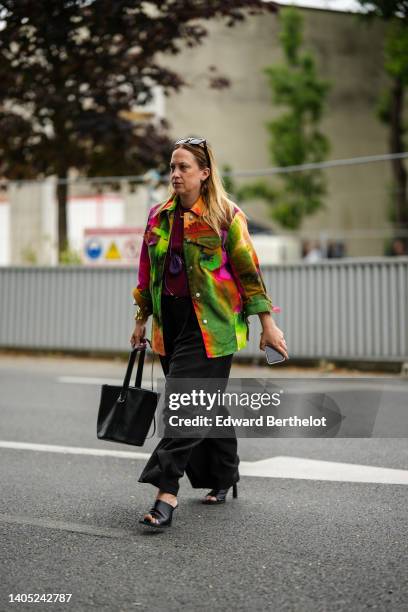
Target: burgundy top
(176, 284)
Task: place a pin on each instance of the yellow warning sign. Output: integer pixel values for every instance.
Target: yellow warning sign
(112, 252)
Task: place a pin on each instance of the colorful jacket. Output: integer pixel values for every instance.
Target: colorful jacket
(224, 278)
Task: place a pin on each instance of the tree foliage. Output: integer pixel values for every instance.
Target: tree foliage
(295, 137)
(71, 71)
(386, 9)
(391, 102)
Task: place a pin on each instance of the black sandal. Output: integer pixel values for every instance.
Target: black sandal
(162, 511)
(220, 494)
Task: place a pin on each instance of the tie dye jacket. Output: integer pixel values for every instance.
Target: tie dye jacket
(223, 273)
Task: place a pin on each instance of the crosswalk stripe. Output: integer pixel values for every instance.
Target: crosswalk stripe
(274, 467)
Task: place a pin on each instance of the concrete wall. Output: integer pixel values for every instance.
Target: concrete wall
(32, 222)
(349, 54)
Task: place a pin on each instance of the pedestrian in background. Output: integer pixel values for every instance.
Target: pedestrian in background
(312, 252)
(335, 249)
(199, 278)
(398, 248)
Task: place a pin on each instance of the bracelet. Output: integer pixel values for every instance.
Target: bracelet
(141, 314)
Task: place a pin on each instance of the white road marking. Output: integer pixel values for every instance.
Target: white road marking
(274, 467)
(84, 380)
(73, 450)
(331, 384)
(312, 469)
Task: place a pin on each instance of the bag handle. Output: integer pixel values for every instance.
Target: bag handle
(154, 418)
(129, 370)
(139, 374)
(140, 364)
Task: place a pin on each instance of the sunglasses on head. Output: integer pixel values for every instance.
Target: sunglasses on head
(195, 141)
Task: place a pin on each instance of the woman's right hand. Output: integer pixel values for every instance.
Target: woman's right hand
(137, 339)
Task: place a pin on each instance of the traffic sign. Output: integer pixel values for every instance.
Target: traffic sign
(111, 246)
(93, 248)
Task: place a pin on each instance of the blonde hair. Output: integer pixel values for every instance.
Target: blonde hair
(218, 207)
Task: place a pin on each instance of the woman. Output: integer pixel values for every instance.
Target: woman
(199, 277)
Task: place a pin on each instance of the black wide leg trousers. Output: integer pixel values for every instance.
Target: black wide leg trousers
(208, 462)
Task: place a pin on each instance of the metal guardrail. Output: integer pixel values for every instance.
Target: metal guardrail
(351, 309)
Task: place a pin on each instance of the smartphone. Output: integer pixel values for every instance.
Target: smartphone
(273, 356)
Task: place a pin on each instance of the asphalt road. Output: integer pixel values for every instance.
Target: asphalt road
(69, 519)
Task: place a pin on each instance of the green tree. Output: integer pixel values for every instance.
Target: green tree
(295, 137)
(228, 181)
(72, 71)
(391, 103)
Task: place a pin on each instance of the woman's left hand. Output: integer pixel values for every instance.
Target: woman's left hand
(273, 336)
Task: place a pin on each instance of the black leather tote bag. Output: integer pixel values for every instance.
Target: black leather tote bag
(126, 413)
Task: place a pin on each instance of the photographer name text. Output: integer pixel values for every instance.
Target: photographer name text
(259, 421)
